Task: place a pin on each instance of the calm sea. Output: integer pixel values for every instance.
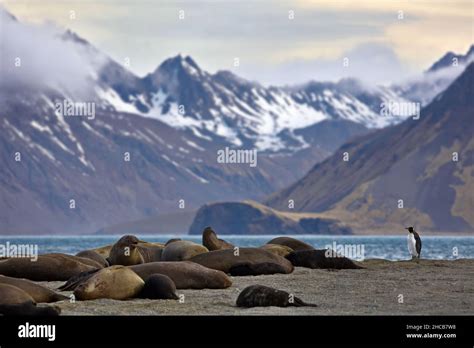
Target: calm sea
(385, 247)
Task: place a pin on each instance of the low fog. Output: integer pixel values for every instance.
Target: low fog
(47, 59)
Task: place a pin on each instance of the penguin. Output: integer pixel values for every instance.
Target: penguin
(414, 243)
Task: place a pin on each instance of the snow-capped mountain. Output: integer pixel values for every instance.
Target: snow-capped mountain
(246, 113)
(65, 173)
(223, 106)
(170, 124)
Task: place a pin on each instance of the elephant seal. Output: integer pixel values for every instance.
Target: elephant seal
(12, 295)
(172, 240)
(277, 249)
(159, 286)
(15, 301)
(211, 242)
(182, 250)
(129, 250)
(93, 255)
(292, 243)
(48, 267)
(264, 296)
(150, 252)
(104, 251)
(224, 260)
(151, 244)
(185, 274)
(324, 258)
(248, 269)
(73, 282)
(115, 282)
(125, 252)
(40, 294)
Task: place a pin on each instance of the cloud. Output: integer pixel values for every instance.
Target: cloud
(38, 56)
(260, 33)
(370, 62)
(214, 33)
(439, 8)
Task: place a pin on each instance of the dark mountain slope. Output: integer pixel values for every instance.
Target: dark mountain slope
(412, 161)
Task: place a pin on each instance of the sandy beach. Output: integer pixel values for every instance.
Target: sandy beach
(429, 287)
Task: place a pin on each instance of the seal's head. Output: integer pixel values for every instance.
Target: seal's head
(208, 230)
(159, 286)
(126, 252)
(128, 240)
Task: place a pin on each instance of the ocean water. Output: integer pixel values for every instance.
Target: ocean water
(384, 247)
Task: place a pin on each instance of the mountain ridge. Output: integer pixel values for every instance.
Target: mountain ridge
(170, 133)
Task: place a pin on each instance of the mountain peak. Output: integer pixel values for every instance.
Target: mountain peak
(191, 62)
(180, 63)
(470, 51)
(6, 14)
(226, 76)
(447, 59)
(69, 35)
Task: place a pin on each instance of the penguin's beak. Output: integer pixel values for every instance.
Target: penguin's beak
(407, 228)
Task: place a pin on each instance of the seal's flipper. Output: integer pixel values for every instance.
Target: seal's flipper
(300, 303)
(73, 282)
(58, 297)
(29, 309)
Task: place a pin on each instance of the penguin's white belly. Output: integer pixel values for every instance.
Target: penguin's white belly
(412, 245)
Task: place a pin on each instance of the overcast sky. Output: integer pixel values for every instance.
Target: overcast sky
(271, 47)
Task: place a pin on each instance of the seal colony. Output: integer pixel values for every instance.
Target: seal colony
(132, 268)
(19, 301)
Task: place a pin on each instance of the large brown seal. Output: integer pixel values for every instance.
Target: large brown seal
(182, 250)
(292, 243)
(211, 242)
(264, 296)
(93, 255)
(125, 252)
(324, 258)
(172, 240)
(252, 269)
(15, 301)
(224, 260)
(185, 274)
(48, 267)
(115, 282)
(104, 251)
(39, 293)
(159, 286)
(74, 281)
(277, 249)
(151, 252)
(129, 250)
